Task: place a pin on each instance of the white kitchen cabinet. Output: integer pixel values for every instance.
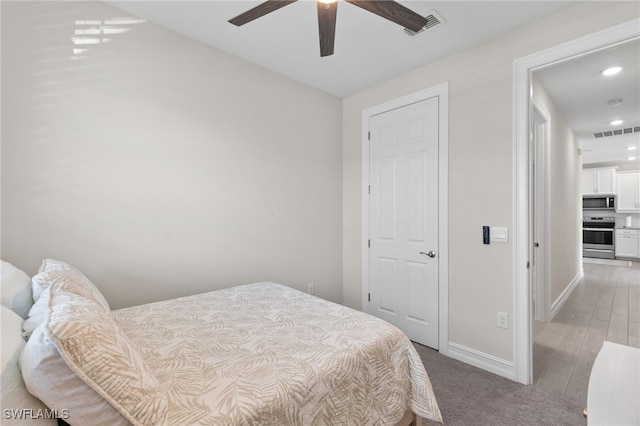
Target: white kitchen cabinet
(628, 243)
(628, 192)
(599, 181)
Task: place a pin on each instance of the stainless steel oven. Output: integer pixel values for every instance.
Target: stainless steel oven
(598, 237)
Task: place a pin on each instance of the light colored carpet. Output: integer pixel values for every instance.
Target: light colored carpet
(469, 396)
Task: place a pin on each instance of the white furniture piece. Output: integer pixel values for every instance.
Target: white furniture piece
(628, 243)
(628, 191)
(599, 180)
(614, 386)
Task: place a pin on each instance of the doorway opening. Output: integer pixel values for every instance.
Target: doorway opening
(524, 238)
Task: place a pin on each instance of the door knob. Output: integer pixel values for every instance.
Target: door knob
(431, 254)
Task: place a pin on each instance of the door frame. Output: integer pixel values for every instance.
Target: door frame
(522, 69)
(442, 92)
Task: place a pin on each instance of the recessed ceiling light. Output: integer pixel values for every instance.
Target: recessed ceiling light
(631, 148)
(631, 158)
(616, 122)
(612, 71)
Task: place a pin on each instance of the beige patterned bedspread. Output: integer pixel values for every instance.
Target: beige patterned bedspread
(270, 355)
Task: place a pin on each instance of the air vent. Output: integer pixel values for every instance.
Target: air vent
(617, 132)
(433, 19)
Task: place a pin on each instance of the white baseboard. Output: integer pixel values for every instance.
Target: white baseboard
(482, 360)
(557, 304)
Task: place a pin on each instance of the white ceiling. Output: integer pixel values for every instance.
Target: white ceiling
(582, 93)
(368, 49)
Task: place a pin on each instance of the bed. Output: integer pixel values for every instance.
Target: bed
(260, 353)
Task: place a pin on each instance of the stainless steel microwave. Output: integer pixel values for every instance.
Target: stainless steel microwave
(599, 202)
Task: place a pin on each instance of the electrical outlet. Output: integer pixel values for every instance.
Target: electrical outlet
(503, 320)
(311, 289)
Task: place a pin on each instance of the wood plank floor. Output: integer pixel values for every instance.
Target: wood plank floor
(605, 305)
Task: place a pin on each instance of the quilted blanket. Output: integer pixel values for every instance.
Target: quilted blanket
(270, 355)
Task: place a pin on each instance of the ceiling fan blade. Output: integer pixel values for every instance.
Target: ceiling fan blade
(393, 11)
(327, 26)
(258, 11)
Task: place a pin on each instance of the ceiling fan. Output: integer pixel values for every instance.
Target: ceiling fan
(327, 9)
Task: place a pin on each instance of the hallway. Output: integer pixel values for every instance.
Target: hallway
(605, 305)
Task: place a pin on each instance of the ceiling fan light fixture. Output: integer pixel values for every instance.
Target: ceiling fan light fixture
(390, 10)
(612, 71)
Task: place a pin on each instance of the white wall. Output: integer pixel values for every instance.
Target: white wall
(162, 167)
(565, 196)
(481, 168)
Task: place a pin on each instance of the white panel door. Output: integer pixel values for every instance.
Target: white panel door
(403, 223)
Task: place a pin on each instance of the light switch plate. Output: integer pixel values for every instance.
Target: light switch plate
(499, 234)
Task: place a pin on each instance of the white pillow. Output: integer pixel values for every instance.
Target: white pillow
(12, 342)
(41, 280)
(47, 375)
(80, 360)
(48, 265)
(15, 292)
(15, 396)
(37, 314)
(41, 283)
